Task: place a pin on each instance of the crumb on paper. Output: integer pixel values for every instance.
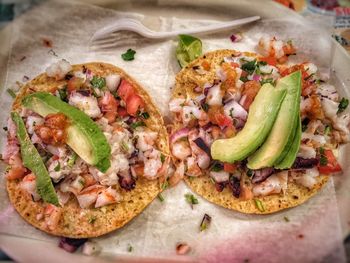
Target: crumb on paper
(130, 248)
(23, 58)
(182, 248)
(47, 42)
(301, 236)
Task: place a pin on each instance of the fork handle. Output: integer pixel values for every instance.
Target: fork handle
(206, 29)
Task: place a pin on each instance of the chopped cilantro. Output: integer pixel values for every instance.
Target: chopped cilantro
(205, 222)
(98, 82)
(162, 157)
(262, 63)
(250, 173)
(164, 185)
(58, 167)
(268, 80)
(129, 55)
(343, 104)
(327, 130)
(144, 115)
(205, 107)
(130, 248)
(72, 160)
(191, 199)
(11, 93)
(81, 182)
(231, 112)
(217, 167)
(63, 94)
(160, 197)
(323, 160)
(92, 219)
(321, 150)
(286, 219)
(124, 146)
(249, 66)
(137, 124)
(259, 205)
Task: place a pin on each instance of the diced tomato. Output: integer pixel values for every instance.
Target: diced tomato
(125, 90)
(74, 83)
(250, 89)
(234, 65)
(133, 103)
(269, 60)
(223, 121)
(332, 165)
(122, 112)
(230, 167)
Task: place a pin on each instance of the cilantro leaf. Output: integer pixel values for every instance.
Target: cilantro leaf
(98, 82)
(343, 104)
(129, 55)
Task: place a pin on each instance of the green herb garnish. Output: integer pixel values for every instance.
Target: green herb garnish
(191, 199)
(134, 125)
(249, 66)
(205, 222)
(160, 197)
(98, 82)
(72, 160)
(124, 146)
(58, 167)
(244, 79)
(217, 167)
(250, 173)
(162, 157)
(164, 185)
(286, 219)
(92, 219)
(327, 130)
(129, 55)
(323, 159)
(63, 94)
(259, 205)
(343, 104)
(130, 248)
(11, 93)
(268, 80)
(205, 107)
(144, 115)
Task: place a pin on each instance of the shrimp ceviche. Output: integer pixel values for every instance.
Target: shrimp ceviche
(254, 132)
(84, 136)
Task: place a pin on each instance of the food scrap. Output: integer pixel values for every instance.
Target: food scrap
(205, 222)
(129, 55)
(182, 248)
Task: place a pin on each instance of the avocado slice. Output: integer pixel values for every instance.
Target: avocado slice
(289, 159)
(262, 115)
(32, 161)
(280, 139)
(83, 134)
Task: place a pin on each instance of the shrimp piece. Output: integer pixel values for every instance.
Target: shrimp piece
(88, 179)
(181, 150)
(89, 195)
(28, 184)
(178, 174)
(53, 131)
(150, 170)
(52, 216)
(192, 167)
(17, 170)
(107, 196)
(272, 185)
(109, 106)
(311, 107)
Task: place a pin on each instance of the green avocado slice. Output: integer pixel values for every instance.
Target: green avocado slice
(262, 115)
(83, 134)
(32, 161)
(280, 139)
(289, 159)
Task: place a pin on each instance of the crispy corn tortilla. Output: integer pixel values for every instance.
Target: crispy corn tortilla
(76, 222)
(295, 195)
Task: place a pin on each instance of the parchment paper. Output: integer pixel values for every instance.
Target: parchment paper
(313, 232)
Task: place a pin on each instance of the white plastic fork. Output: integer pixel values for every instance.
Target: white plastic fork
(136, 26)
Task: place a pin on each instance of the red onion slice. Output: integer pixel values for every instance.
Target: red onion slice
(179, 134)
